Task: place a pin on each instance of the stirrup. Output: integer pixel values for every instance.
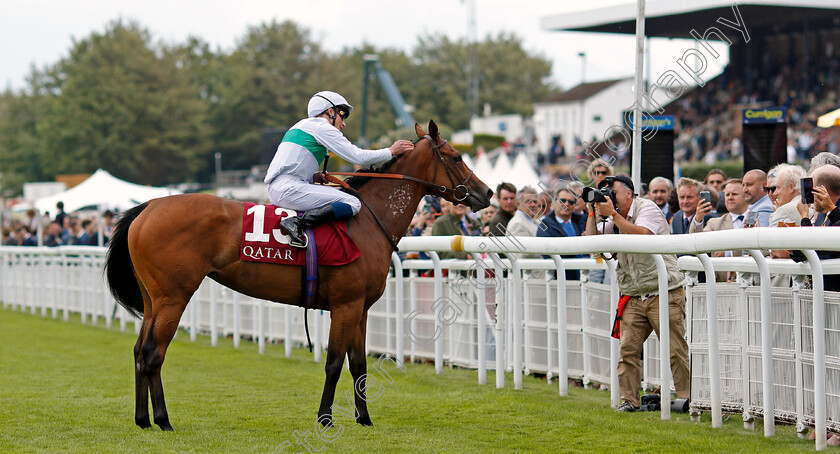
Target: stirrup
(296, 244)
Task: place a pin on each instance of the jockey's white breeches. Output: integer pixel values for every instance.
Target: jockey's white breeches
(293, 193)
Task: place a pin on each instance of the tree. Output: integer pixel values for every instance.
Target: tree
(510, 78)
(119, 103)
(19, 115)
(265, 83)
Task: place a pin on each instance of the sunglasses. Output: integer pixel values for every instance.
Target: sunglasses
(566, 201)
(602, 172)
(343, 113)
(770, 188)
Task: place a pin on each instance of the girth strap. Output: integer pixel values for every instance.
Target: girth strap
(310, 283)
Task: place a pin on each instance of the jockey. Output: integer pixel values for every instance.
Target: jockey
(302, 150)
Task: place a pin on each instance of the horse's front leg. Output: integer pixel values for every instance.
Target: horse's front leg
(358, 369)
(343, 323)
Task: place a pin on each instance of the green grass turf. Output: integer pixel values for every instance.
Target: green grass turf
(68, 387)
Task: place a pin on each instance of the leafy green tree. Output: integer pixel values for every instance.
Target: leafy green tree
(19, 162)
(510, 79)
(120, 103)
(265, 83)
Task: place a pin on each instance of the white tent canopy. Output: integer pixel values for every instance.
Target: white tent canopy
(523, 174)
(482, 167)
(104, 190)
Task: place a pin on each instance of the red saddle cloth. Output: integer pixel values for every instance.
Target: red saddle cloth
(264, 241)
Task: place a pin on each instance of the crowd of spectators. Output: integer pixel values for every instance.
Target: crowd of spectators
(62, 230)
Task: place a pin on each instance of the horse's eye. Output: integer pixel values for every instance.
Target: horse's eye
(457, 158)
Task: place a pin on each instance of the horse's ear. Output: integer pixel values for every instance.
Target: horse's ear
(419, 130)
(433, 130)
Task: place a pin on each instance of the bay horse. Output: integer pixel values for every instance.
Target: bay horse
(161, 251)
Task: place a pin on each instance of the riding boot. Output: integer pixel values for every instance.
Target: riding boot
(296, 225)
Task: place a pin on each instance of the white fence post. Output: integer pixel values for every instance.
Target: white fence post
(714, 347)
(664, 336)
(766, 345)
(615, 392)
(562, 334)
(819, 349)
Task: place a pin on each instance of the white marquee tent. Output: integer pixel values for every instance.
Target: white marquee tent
(523, 174)
(105, 191)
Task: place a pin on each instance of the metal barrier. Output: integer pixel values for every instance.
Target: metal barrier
(754, 349)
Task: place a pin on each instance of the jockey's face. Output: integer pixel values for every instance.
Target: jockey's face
(339, 121)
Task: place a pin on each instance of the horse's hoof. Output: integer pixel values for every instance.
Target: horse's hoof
(143, 423)
(164, 425)
(325, 420)
(364, 420)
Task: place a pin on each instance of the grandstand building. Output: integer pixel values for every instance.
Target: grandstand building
(781, 53)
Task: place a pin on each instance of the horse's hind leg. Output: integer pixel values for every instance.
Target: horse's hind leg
(164, 325)
(358, 369)
(141, 383)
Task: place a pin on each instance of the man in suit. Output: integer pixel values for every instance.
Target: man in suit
(783, 189)
(524, 221)
(688, 193)
(759, 202)
(737, 206)
(659, 190)
(563, 222)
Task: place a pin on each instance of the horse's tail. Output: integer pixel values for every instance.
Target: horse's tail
(118, 266)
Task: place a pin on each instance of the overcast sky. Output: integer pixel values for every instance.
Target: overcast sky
(40, 32)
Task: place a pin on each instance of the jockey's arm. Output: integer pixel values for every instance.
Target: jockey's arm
(335, 141)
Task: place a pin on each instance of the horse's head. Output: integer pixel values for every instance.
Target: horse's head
(455, 180)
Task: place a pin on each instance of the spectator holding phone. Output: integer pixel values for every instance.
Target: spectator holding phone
(737, 206)
(714, 182)
(783, 189)
(826, 193)
(688, 193)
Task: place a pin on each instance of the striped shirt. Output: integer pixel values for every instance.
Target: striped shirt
(306, 144)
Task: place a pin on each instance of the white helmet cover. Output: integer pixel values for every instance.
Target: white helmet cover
(323, 100)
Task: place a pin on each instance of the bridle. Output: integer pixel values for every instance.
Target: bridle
(456, 190)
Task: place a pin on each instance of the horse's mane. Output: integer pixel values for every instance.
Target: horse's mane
(358, 182)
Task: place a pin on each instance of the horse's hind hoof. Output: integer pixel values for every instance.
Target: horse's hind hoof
(364, 420)
(164, 425)
(143, 423)
(325, 420)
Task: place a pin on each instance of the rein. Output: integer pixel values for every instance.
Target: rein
(396, 176)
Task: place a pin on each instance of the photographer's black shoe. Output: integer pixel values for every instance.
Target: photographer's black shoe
(626, 407)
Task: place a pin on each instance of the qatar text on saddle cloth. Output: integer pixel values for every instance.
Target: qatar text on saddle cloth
(264, 241)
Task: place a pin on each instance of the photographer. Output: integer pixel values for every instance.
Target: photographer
(639, 285)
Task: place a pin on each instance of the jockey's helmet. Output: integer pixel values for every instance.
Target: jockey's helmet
(323, 100)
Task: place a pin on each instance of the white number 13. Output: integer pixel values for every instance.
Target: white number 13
(258, 234)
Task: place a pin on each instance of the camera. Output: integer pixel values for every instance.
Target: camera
(651, 402)
(599, 195)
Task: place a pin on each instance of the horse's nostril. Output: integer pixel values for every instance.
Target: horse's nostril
(489, 193)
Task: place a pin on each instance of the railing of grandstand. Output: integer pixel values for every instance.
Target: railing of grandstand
(746, 341)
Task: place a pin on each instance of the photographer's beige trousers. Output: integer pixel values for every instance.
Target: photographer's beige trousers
(639, 319)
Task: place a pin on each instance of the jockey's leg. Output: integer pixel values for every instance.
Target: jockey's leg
(296, 225)
(321, 204)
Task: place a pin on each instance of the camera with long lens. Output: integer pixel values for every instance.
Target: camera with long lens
(600, 195)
